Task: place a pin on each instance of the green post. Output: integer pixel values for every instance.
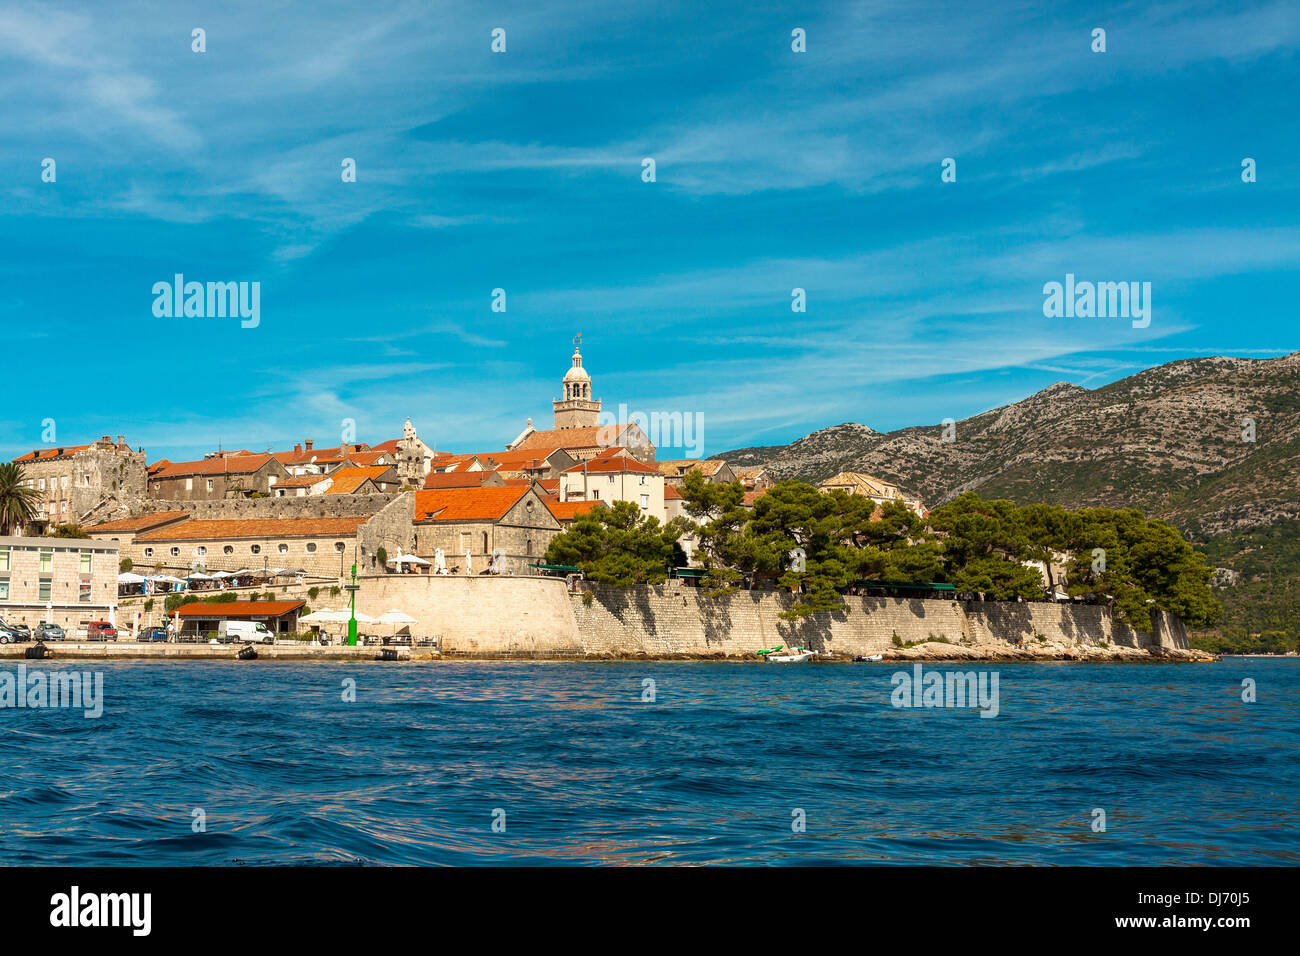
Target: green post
(352, 624)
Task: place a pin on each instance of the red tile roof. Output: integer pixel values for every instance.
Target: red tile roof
(348, 480)
(592, 436)
(456, 479)
(234, 465)
(517, 459)
(612, 460)
(299, 481)
(467, 504)
(569, 510)
(41, 454)
(140, 522)
(670, 492)
(240, 608)
(258, 528)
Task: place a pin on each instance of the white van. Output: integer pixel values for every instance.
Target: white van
(252, 631)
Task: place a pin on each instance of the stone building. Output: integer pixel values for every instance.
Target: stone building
(64, 581)
(215, 478)
(412, 457)
(676, 470)
(877, 489)
(615, 475)
(72, 481)
(122, 532)
(512, 518)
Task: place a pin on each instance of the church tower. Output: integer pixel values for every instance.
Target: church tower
(577, 409)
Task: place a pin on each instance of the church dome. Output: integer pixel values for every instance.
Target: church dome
(577, 373)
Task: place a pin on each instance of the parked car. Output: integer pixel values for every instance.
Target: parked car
(50, 632)
(154, 634)
(100, 631)
(8, 635)
(23, 630)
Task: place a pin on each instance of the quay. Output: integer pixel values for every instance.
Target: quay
(131, 650)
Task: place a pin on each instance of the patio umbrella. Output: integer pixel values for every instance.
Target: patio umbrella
(126, 577)
(394, 616)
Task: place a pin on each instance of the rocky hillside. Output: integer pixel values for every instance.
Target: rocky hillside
(1171, 441)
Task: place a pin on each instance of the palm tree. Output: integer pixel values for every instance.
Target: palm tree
(18, 503)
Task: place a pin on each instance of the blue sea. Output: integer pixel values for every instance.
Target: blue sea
(262, 763)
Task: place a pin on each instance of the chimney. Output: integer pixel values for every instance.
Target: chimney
(121, 440)
(297, 447)
(308, 443)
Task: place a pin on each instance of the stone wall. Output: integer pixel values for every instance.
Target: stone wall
(518, 616)
(675, 620)
(482, 616)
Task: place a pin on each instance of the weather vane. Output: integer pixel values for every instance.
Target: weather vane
(577, 341)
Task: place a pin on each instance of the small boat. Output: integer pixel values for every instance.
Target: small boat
(869, 657)
(788, 658)
(1204, 660)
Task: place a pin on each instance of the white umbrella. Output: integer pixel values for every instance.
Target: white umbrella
(126, 577)
(395, 616)
(408, 559)
(200, 576)
(324, 616)
(167, 578)
(222, 574)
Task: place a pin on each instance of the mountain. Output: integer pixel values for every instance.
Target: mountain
(1212, 445)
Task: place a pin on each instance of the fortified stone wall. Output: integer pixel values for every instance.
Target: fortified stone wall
(481, 616)
(516, 616)
(669, 619)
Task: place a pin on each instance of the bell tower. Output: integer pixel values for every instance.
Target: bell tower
(577, 409)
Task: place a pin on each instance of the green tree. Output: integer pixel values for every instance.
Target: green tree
(18, 503)
(615, 544)
(68, 530)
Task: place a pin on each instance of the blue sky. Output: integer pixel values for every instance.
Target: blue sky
(522, 171)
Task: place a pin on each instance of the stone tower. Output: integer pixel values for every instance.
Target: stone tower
(577, 409)
(413, 460)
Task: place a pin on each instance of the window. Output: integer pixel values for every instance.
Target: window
(255, 549)
(86, 564)
(148, 552)
(189, 484)
(611, 479)
(47, 559)
(4, 559)
(339, 546)
(311, 547)
(228, 549)
(283, 549)
(83, 590)
(41, 484)
(176, 552)
(209, 484)
(63, 482)
(645, 501)
(595, 494)
(45, 590)
(201, 552)
(485, 547)
(528, 546)
(4, 589)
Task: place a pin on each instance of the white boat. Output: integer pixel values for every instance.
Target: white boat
(788, 658)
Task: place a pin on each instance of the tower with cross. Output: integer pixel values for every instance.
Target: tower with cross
(577, 409)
